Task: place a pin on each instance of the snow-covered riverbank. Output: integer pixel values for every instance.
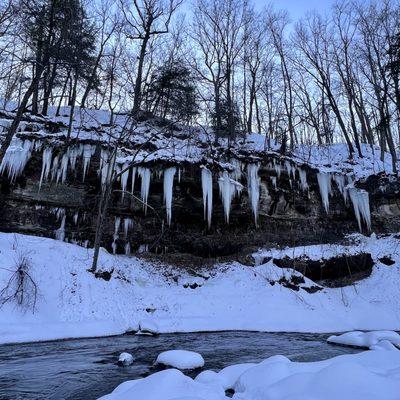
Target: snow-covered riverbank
(73, 303)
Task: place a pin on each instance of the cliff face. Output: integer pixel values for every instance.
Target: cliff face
(268, 199)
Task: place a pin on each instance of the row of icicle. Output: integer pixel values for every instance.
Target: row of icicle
(56, 169)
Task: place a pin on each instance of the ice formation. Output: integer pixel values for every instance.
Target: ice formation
(16, 158)
(253, 188)
(360, 200)
(228, 188)
(76, 217)
(169, 174)
(117, 225)
(325, 188)
(303, 179)
(237, 172)
(88, 150)
(46, 165)
(128, 224)
(134, 170)
(127, 249)
(60, 232)
(145, 175)
(273, 180)
(54, 167)
(62, 171)
(340, 181)
(124, 178)
(207, 187)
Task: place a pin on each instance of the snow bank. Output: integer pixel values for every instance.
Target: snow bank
(180, 359)
(370, 375)
(373, 340)
(73, 303)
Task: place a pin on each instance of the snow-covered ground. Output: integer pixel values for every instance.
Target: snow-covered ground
(370, 375)
(371, 340)
(71, 302)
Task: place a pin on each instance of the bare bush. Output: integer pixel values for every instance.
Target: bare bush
(20, 287)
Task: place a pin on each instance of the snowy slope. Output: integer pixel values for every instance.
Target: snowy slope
(73, 303)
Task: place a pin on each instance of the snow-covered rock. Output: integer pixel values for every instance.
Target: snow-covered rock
(372, 340)
(180, 359)
(125, 359)
(370, 375)
(148, 327)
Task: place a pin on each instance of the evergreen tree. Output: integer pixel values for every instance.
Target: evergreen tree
(172, 92)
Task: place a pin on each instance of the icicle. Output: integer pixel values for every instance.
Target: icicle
(341, 184)
(76, 216)
(87, 151)
(228, 188)
(207, 187)
(145, 175)
(303, 179)
(127, 249)
(278, 170)
(60, 232)
(273, 180)
(325, 188)
(179, 175)
(46, 165)
(254, 188)
(117, 225)
(134, 170)
(62, 172)
(237, 172)
(169, 174)
(291, 171)
(54, 168)
(360, 200)
(60, 213)
(16, 158)
(128, 224)
(73, 155)
(124, 179)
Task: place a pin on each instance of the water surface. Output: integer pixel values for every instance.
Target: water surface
(85, 369)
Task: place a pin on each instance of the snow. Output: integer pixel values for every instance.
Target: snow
(73, 303)
(207, 187)
(165, 385)
(125, 359)
(180, 359)
(370, 375)
(254, 188)
(169, 174)
(325, 188)
(371, 340)
(148, 326)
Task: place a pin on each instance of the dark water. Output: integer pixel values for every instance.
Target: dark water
(85, 369)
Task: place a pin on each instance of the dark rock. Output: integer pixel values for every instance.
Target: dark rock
(387, 261)
(341, 270)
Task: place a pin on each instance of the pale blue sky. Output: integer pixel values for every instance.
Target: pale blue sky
(297, 8)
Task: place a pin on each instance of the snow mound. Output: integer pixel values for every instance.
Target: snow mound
(370, 375)
(382, 340)
(125, 359)
(165, 385)
(181, 359)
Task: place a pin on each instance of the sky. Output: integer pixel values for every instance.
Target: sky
(297, 8)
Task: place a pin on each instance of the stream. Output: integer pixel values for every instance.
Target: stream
(85, 369)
